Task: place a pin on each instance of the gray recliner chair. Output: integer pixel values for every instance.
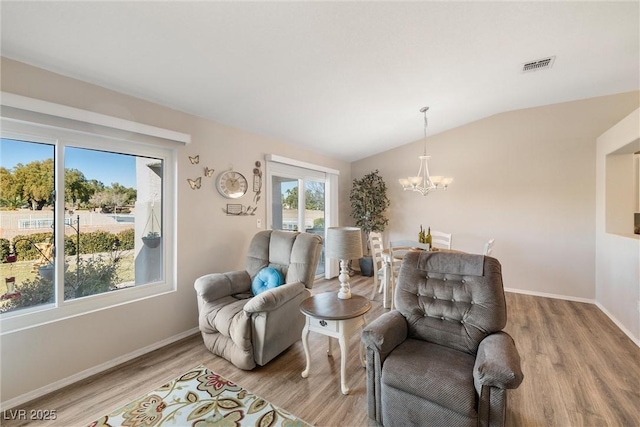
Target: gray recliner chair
(442, 359)
(247, 329)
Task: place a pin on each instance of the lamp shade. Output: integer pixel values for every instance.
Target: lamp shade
(344, 243)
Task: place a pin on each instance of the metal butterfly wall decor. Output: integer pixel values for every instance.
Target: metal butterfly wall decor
(208, 172)
(195, 183)
(194, 160)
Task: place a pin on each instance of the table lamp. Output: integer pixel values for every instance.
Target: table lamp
(344, 243)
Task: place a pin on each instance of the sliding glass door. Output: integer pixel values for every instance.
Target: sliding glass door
(298, 198)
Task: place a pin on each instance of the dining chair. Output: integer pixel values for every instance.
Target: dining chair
(397, 250)
(379, 271)
(440, 240)
(488, 247)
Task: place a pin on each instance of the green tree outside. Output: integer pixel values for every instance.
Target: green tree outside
(10, 191)
(33, 184)
(76, 187)
(313, 195)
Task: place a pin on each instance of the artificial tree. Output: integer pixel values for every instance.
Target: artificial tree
(369, 203)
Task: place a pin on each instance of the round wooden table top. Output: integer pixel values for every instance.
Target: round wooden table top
(329, 307)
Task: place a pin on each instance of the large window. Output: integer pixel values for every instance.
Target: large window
(84, 222)
(309, 209)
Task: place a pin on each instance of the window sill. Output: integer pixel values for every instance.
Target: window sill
(37, 316)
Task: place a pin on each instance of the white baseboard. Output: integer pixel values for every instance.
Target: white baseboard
(635, 340)
(546, 295)
(12, 403)
(628, 333)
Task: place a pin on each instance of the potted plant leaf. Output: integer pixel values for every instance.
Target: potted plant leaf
(369, 203)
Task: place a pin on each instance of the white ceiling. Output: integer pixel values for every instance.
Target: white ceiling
(344, 78)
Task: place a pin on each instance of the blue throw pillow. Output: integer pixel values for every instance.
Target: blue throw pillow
(267, 278)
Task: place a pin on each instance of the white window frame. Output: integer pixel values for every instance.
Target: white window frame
(61, 137)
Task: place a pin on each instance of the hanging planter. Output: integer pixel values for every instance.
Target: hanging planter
(153, 238)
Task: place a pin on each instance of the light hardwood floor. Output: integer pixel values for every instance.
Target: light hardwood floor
(580, 370)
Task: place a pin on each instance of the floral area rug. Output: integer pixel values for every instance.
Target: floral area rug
(199, 398)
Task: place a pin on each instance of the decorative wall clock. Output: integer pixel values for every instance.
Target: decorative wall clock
(243, 210)
(231, 184)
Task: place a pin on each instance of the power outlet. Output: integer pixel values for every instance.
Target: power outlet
(259, 223)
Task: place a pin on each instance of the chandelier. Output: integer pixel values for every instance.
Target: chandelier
(422, 182)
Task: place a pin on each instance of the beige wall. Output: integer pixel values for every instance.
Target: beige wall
(620, 197)
(617, 251)
(525, 178)
(207, 240)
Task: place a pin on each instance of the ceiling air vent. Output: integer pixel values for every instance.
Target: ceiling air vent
(538, 64)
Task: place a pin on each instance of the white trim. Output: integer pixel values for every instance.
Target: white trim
(49, 108)
(547, 295)
(331, 217)
(627, 332)
(58, 244)
(293, 162)
(36, 316)
(12, 403)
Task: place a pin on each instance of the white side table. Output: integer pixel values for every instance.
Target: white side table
(338, 318)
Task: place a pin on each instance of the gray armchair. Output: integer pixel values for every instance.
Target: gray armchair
(441, 359)
(245, 329)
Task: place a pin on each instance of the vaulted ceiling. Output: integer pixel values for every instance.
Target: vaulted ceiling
(344, 78)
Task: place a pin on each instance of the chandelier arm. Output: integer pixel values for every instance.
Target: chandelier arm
(420, 171)
(427, 179)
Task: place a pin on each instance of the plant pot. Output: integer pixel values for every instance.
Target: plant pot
(47, 271)
(152, 242)
(366, 266)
